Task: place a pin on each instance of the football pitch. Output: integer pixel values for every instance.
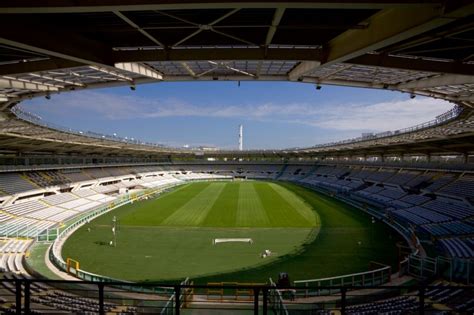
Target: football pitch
(171, 237)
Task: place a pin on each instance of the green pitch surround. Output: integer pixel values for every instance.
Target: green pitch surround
(170, 237)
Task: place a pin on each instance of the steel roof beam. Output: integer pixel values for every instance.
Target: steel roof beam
(138, 28)
(188, 69)
(377, 60)
(277, 16)
(12, 83)
(10, 140)
(50, 78)
(51, 42)
(275, 22)
(216, 54)
(38, 66)
(385, 28)
(413, 64)
(208, 27)
(442, 80)
(230, 77)
(468, 98)
(303, 68)
(84, 6)
(116, 74)
(140, 69)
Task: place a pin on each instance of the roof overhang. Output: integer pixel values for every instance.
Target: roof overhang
(416, 47)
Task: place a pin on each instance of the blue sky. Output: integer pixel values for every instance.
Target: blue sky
(274, 114)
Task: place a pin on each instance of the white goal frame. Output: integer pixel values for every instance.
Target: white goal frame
(232, 240)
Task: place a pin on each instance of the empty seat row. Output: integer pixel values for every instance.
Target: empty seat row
(12, 183)
(23, 208)
(85, 192)
(458, 247)
(432, 216)
(415, 199)
(59, 198)
(454, 210)
(43, 213)
(463, 187)
(402, 178)
(77, 176)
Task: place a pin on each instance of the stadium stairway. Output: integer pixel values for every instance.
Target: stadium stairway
(309, 173)
(282, 171)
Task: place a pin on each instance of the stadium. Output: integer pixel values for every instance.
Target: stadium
(92, 223)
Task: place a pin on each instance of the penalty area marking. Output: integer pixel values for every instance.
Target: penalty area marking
(232, 240)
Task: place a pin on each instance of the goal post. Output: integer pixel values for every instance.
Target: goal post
(232, 240)
(74, 264)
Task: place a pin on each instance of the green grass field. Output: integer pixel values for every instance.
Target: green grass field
(170, 237)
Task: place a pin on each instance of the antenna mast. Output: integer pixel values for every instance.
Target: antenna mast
(241, 137)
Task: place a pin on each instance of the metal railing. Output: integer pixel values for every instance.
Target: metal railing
(375, 277)
(460, 270)
(170, 306)
(55, 253)
(276, 300)
(37, 120)
(440, 119)
(27, 296)
(67, 166)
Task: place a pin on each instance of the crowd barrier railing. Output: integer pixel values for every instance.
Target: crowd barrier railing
(55, 255)
(374, 277)
(29, 296)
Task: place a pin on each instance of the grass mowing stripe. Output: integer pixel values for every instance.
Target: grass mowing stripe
(346, 243)
(143, 207)
(193, 212)
(335, 251)
(303, 208)
(148, 213)
(250, 210)
(224, 211)
(279, 211)
(174, 253)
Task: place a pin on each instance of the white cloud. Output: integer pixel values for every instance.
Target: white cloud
(383, 116)
(389, 115)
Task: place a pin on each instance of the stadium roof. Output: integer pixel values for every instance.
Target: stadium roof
(417, 47)
(422, 47)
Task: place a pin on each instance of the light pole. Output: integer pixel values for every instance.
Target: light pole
(372, 230)
(114, 230)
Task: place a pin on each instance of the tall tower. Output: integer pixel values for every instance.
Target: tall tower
(241, 137)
